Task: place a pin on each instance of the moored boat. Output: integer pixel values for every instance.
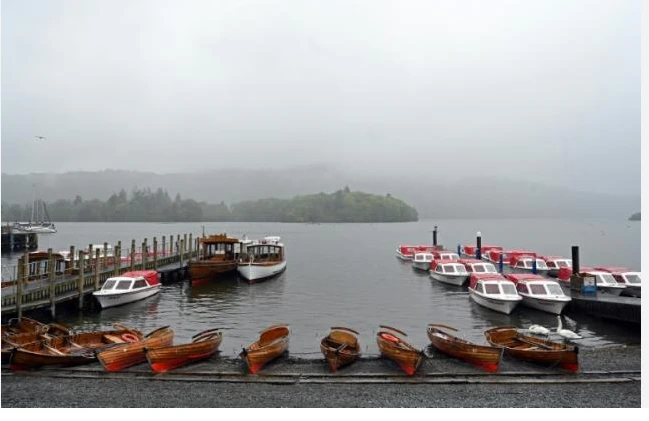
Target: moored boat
(70, 350)
(632, 280)
(494, 291)
(128, 287)
(478, 266)
(218, 256)
(555, 263)
(445, 255)
(272, 343)
(340, 347)
(13, 337)
(540, 293)
(262, 259)
(444, 339)
(421, 260)
(392, 345)
(203, 345)
(449, 272)
(535, 350)
(406, 252)
(527, 263)
(126, 355)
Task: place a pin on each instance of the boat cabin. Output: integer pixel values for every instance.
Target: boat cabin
(493, 255)
(448, 267)
(478, 266)
(131, 281)
(535, 285)
(422, 257)
(445, 255)
(219, 247)
(266, 249)
(492, 284)
(556, 262)
(526, 262)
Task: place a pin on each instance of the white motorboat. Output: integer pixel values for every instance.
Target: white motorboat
(262, 259)
(422, 261)
(494, 291)
(539, 292)
(449, 272)
(128, 287)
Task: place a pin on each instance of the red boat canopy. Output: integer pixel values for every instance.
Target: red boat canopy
(517, 277)
(612, 269)
(407, 249)
(151, 276)
(469, 261)
(475, 277)
(551, 258)
(564, 273)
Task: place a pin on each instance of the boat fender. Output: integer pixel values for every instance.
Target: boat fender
(129, 337)
(390, 338)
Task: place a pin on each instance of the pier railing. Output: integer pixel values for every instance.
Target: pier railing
(63, 276)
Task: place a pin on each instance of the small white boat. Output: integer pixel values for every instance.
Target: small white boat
(449, 271)
(478, 266)
(128, 287)
(630, 279)
(555, 263)
(525, 264)
(539, 292)
(422, 261)
(606, 282)
(262, 259)
(445, 255)
(406, 252)
(494, 291)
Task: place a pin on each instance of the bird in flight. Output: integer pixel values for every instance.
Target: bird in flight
(40, 137)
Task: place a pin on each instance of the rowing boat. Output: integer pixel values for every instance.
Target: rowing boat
(203, 345)
(486, 357)
(392, 345)
(340, 347)
(272, 343)
(129, 354)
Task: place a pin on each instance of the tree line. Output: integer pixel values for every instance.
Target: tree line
(146, 205)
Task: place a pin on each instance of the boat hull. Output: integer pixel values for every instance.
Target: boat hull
(340, 348)
(535, 350)
(499, 305)
(258, 272)
(457, 280)
(209, 270)
(113, 300)
(272, 343)
(130, 354)
(404, 257)
(552, 306)
(482, 356)
(407, 357)
(163, 359)
(424, 266)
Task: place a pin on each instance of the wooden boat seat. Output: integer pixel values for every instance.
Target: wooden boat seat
(341, 338)
(113, 339)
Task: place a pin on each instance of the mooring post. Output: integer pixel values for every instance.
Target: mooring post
(435, 236)
(72, 257)
(104, 260)
(118, 259)
(190, 244)
(97, 263)
(501, 264)
(178, 244)
(575, 260)
(155, 253)
(80, 281)
(478, 241)
(52, 272)
(89, 256)
(21, 281)
(182, 250)
(534, 270)
(164, 245)
(458, 249)
(145, 254)
(132, 255)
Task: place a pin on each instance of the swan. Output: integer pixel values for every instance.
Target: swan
(539, 330)
(565, 333)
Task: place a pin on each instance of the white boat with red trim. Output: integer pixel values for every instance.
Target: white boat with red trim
(449, 272)
(539, 292)
(494, 291)
(128, 287)
(262, 259)
(422, 261)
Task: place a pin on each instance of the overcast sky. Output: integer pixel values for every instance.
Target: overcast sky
(545, 91)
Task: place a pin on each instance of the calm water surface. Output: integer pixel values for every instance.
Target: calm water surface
(348, 275)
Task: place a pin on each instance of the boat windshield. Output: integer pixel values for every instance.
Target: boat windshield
(484, 268)
(109, 284)
(563, 263)
(124, 284)
(633, 278)
(537, 289)
(606, 279)
(492, 288)
(554, 289)
(456, 268)
(508, 288)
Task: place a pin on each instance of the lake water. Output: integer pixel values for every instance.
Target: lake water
(348, 275)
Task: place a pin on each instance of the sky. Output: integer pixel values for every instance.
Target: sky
(545, 91)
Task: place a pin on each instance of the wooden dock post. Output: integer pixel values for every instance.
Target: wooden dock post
(132, 254)
(155, 253)
(97, 271)
(80, 281)
(72, 260)
(178, 244)
(52, 271)
(118, 259)
(105, 259)
(144, 254)
(21, 281)
(164, 243)
(190, 247)
(182, 250)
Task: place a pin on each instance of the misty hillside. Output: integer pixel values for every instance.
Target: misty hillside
(431, 196)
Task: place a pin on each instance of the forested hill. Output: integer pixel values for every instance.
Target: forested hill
(148, 206)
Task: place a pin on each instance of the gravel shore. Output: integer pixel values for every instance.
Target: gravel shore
(609, 378)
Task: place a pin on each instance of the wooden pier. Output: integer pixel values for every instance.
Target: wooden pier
(46, 283)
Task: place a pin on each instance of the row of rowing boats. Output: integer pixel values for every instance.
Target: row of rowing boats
(124, 347)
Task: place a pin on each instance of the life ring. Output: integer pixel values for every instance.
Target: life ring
(390, 338)
(129, 337)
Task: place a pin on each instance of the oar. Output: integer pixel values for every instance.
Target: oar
(394, 329)
(204, 332)
(156, 330)
(441, 325)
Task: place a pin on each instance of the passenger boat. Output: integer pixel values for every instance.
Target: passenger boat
(128, 287)
(262, 259)
(478, 266)
(218, 256)
(494, 291)
(527, 263)
(630, 279)
(445, 340)
(539, 292)
(449, 272)
(340, 347)
(406, 252)
(532, 349)
(272, 343)
(203, 345)
(76, 349)
(129, 354)
(392, 345)
(422, 261)
(554, 263)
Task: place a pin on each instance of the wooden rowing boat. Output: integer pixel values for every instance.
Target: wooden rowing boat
(486, 357)
(272, 343)
(532, 349)
(203, 345)
(392, 345)
(79, 348)
(126, 355)
(340, 347)
(15, 340)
